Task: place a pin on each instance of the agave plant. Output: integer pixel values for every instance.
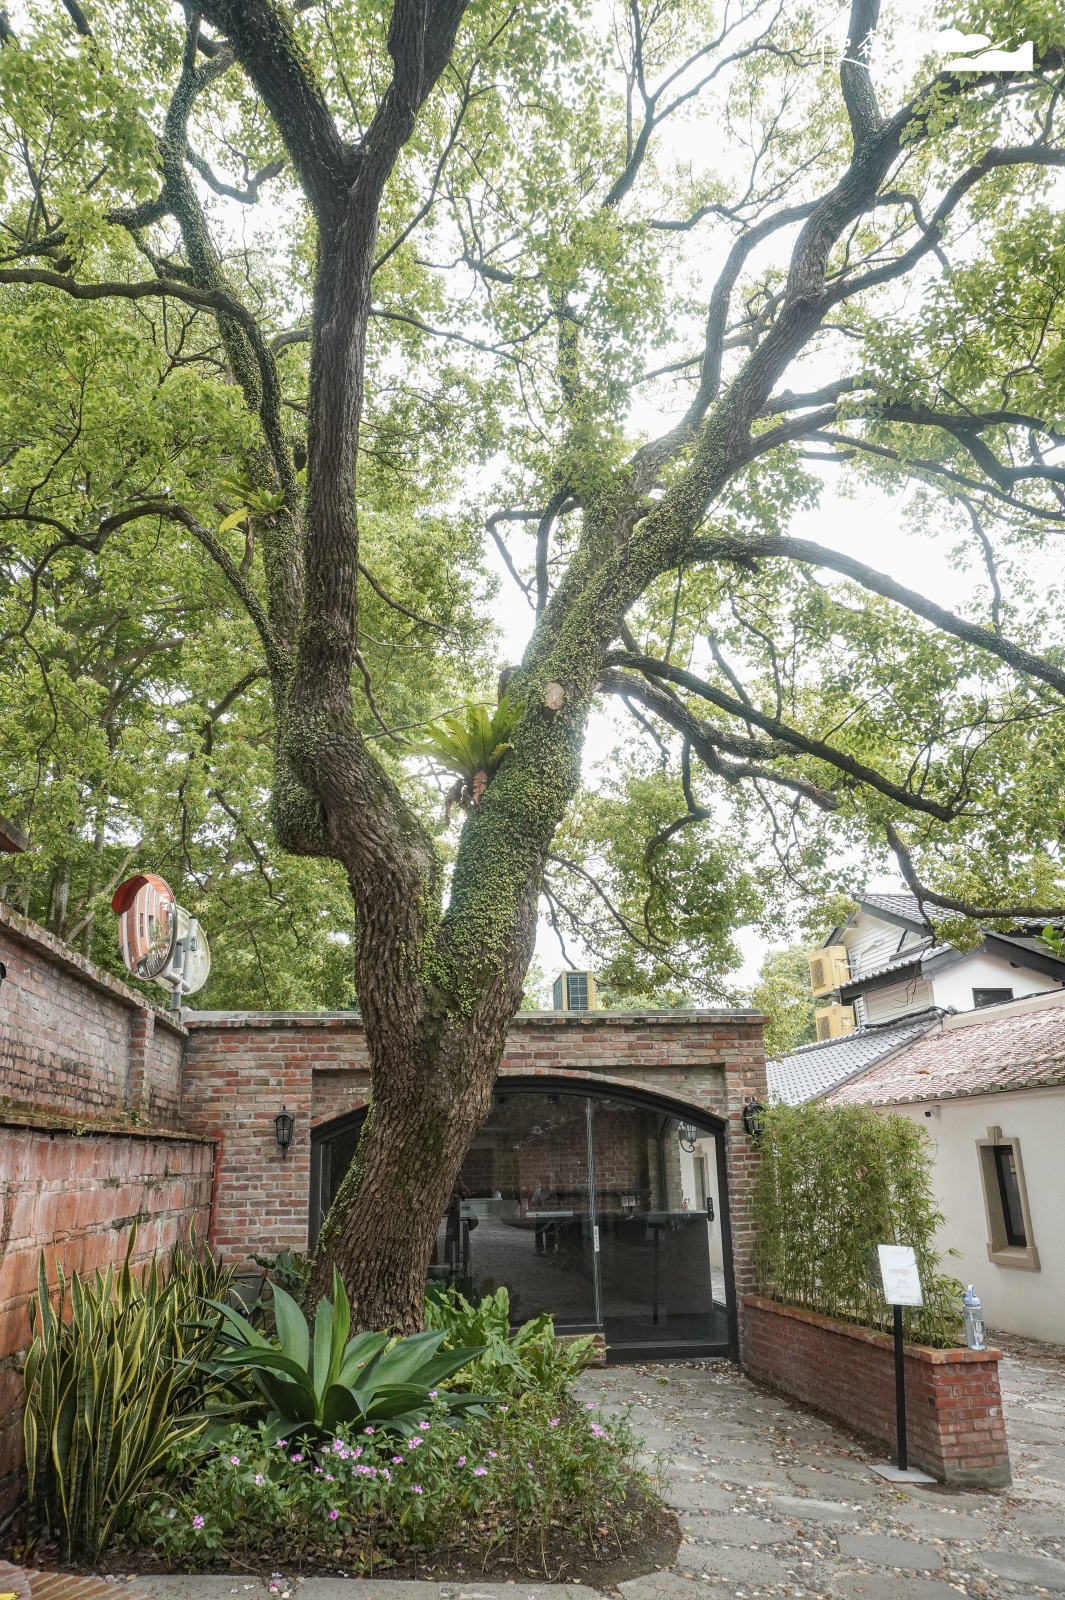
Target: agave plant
(108, 1390)
(474, 748)
(312, 1386)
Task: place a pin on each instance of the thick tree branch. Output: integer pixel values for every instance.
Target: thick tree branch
(709, 741)
(799, 742)
(805, 550)
(946, 902)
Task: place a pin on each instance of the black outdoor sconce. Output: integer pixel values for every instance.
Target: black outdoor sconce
(753, 1119)
(284, 1123)
(689, 1133)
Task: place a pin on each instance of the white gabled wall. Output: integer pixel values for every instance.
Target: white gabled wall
(954, 986)
(871, 942)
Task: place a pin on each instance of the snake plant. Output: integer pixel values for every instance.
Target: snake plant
(109, 1389)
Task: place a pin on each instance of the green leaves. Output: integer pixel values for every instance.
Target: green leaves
(473, 747)
(833, 1182)
(107, 1391)
(313, 1388)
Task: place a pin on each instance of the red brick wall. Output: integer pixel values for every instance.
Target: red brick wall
(954, 1423)
(75, 1040)
(242, 1066)
(89, 1084)
(75, 1196)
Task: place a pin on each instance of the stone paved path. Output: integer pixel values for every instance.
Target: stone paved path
(774, 1500)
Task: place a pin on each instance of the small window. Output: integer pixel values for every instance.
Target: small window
(1009, 1218)
(557, 995)
(991, 997)
(1010, 1195)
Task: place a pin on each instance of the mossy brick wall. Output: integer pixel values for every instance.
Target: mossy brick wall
(89, 1089)
(241, 1067)
(955, 1428)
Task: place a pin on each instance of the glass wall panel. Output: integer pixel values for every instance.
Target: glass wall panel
(605, 1213)
(521, 1213)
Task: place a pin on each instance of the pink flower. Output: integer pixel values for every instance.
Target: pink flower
(333, 1515)
(504, 1408)
(432, 1395)
(462, 1461)
(234, 1461)
(590, 1406)
(329, 1477)
(386, 1475)
(317, 1469)
(197, 1521)
(412, 1444)
(258, 1480)
(554, 1422)
(367, 1430)
(357, 1452)
(529, 1465)
(423, 1424)
(480, 1472)
(281, 1443)
(299, 1454)
(397, 1461)
(492, 1454)
(416, 1488)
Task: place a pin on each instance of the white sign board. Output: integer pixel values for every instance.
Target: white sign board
(899, 1275)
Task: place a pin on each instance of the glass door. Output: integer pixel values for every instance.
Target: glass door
(658, 1211)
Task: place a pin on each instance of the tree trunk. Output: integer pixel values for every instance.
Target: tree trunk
(382, 1225)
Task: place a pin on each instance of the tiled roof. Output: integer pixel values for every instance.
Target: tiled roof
(1015, 1048)
(899, 905)
(814, 1068)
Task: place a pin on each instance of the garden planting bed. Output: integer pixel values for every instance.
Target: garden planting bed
(954, 1417)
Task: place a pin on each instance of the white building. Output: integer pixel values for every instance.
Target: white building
(990, 1091)
(882, 979)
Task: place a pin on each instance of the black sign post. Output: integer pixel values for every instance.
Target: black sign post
(900, 1390)
(902, 1287)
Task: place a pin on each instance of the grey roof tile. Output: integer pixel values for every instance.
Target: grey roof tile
(813, 1069)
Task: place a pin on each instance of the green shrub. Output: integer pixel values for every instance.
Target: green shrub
(505, 1478)
(531, 1358)
(833, 1183)
(312, 1387)
(110, 1392)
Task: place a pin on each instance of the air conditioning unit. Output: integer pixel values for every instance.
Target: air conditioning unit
(834, 1021)
(575, 991)
(829, 968)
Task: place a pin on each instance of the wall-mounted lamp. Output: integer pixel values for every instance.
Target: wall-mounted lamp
(688, 1133)
(284, 1123)
(753, 1119)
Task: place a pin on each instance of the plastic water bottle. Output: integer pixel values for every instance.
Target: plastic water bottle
(973, 1313)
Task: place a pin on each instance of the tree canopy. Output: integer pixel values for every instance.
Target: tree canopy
(305, 309)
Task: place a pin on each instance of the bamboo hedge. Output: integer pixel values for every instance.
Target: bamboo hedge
(833, 1183)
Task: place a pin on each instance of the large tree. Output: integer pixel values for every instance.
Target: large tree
(497, 186)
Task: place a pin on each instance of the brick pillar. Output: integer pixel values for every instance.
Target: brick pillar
(745, 1078)
(141, 1037)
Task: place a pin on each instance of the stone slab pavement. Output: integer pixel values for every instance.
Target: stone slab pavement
(772, 1500)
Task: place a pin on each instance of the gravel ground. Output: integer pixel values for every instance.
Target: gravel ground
(773, 1499)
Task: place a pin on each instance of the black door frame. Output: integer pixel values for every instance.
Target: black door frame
(585, 1088)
